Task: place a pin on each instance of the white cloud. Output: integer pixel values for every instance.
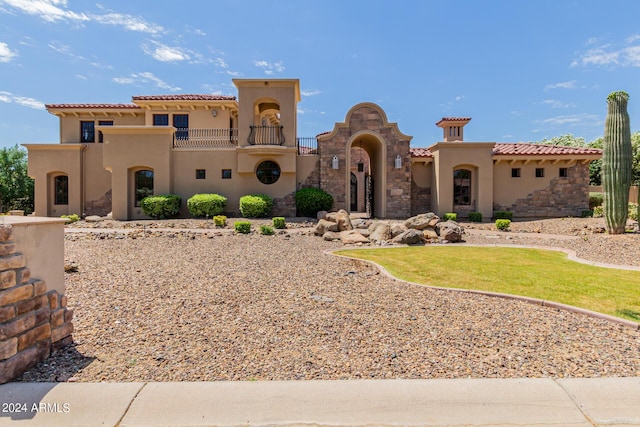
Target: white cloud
(554, 103)
(146, 77)
(8, 97)
(164, 53)
(571, 84)
(58, 11)
(612, 55)
(574, 119)
(6, 54)
(269, 67)
(309, 92)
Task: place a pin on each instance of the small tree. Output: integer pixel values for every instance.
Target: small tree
(16, 188)
(616, 163)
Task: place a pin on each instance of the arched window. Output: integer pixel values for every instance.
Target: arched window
(61, 189)
(462, 187)
(143, 185)
(268, 172)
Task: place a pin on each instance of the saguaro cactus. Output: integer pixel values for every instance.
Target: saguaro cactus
(616, 162)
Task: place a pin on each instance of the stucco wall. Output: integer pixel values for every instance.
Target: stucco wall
(70, 124)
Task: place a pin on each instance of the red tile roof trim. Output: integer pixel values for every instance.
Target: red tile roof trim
(455, 119)
(92, 106)
(527, 149)
(184, 97)
(420, 152)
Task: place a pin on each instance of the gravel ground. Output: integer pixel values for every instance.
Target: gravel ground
(179, 306)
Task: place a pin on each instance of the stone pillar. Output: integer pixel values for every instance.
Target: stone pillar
(33, 320)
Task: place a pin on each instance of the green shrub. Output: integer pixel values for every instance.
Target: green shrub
(503, 224)
(243, 227)
(586, 213)
(475, 216)
(161, 206)
(220, 220)
(595, 199)
(503, 215)
(450, 216)
(267, 230)
(256, 205)
(278, 222)
(598, 211)
(71, 218)
(201, 205)
(309, 201)
(633, 211)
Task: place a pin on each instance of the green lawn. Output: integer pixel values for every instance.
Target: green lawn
(537, 273)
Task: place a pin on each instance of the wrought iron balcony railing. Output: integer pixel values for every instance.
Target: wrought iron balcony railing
(266, 135)
(205, 138)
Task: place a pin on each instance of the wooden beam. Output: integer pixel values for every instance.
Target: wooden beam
(513, 162)
(555, 162)
(526, 162)
(541, 161)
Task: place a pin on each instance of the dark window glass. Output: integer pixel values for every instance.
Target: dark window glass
(268, 172)
(143, 185)
(161, 120)
(539, 172)
(87, 132)
(61, 189)
(201, 174)
(181, 123)
(462, 187)
(564, 172)
(226, 173)
(103, 123)
(515, 173)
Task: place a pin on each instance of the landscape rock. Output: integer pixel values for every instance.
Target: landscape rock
(409, 237)
(93, 218)
(422, 221)
(321, 215)
(330, 236)
(397, 229)
(450, 231)
(323, 226)
(352, 237)
(429, 233)
(379, 231)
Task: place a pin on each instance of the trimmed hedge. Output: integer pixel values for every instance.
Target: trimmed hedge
(256, 205)
(503, 224)
(595, 199)
(209, 205)
(450, 216)
(267, 230)
(309, 201)
(503, 215)
(475, 216)
(162, 206)
(71, 218)
(278, 222)
(220, 220)
(243, 227)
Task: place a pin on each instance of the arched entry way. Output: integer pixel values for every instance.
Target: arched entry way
(367, 151)
(367, 133)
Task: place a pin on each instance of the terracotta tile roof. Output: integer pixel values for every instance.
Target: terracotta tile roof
(184, 97)
(92, 106)
(420, 152)
(527, 149)
(455, 119)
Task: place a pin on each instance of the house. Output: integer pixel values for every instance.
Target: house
(111, 156)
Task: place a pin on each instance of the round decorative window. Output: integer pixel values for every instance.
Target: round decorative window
(268, 172)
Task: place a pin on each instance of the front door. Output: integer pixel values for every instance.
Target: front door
(354, 193)
(368, 189)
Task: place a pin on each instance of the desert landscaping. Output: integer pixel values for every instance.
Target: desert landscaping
(154, 301)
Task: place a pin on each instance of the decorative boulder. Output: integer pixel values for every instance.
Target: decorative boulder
(331, 236)
(397, 229)
(422, 221)
(379, 232)
(323, 226)
(93, 218)
(409, 237)
(450, 231)
(429, 233)
(341, 218)
(351, 237)
(321, 215)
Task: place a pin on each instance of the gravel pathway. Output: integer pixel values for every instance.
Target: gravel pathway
(215, 306)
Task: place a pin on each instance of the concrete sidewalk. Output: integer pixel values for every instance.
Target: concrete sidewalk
(473, 402)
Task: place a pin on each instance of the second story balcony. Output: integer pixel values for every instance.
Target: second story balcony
(266, 135)
(205, 138)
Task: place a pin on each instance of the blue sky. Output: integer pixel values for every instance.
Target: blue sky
(523, 70)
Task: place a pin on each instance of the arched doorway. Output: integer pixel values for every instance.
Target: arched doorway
(367, 155)
(464, 191)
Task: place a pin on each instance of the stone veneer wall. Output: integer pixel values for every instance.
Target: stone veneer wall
(33, 321)
(420, 199)
(563, 197)
(398, 185)
(101, 206)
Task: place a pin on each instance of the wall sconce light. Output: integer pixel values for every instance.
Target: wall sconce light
(214, 113)
(334, 162)
(398, 162)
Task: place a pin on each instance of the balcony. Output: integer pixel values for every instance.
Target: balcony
(205, 138)
(266, 135)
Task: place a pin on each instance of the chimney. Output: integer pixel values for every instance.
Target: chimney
(453, 128)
